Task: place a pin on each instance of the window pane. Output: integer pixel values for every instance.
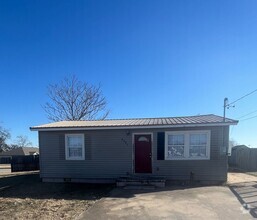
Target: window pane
(74, 146)
(197, 151)
(176, 151)
(143, 139)
(75, 152)
(198, 145)
(75, 141)
(176, 139)
(198, 139)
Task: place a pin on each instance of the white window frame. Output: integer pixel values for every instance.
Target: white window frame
(187, 144)
(67, 147)
(167, 144)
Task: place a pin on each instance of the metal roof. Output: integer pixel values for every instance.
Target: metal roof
(186, 121)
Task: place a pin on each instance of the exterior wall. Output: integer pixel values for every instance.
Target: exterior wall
(109, 155)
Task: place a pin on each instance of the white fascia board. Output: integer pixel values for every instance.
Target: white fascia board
(131, 127)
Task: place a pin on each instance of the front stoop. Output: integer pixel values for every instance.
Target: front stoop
(135, 182)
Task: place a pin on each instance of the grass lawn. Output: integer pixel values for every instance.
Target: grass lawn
(25, 197)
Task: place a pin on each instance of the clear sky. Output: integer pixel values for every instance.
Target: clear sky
(153, 58)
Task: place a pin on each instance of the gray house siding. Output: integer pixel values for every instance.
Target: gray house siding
(109, 155)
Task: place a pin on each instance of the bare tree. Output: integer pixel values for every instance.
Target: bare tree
(75, 100)
(4, 136)
(22, 141)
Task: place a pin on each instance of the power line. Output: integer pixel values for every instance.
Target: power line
(247, 114)
(242, 97)
(249, 118)
(228, 105)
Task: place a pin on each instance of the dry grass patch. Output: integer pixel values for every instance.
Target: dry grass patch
(25, 197)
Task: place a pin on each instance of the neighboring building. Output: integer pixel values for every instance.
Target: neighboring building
(175, 148)
(5, 157)
(243, 157)
(233, 157)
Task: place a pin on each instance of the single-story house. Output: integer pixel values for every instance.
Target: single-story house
(6, 156)
(175, 148)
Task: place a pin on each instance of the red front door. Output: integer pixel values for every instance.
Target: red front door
(143, 153)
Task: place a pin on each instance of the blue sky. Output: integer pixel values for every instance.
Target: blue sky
(152, 58)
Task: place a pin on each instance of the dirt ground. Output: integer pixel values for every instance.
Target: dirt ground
(237, 178)
(24, 196)
(5, 169)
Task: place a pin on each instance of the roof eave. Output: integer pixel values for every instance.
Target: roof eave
(130, 127)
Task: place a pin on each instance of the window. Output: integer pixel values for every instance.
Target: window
(187, 145)
(144, 139)
(198, 145)
(176, 144)
(74, 147)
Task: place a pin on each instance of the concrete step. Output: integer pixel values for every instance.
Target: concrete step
(140, 187)
(122, 182)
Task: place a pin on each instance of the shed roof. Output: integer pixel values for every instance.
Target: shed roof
(20, 151)
(239, 146)
(186, 121)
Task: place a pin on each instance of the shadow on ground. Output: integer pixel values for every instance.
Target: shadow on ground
(246, 194)
(30, 186)
(244, 187)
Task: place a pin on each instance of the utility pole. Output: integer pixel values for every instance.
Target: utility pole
(224, 108)
(224, 147)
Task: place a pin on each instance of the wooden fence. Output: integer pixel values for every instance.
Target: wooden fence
(5, 160)
(25, 163)
(244, 158)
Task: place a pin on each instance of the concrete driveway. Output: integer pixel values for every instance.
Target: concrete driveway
(213, 202)
(244, 187)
